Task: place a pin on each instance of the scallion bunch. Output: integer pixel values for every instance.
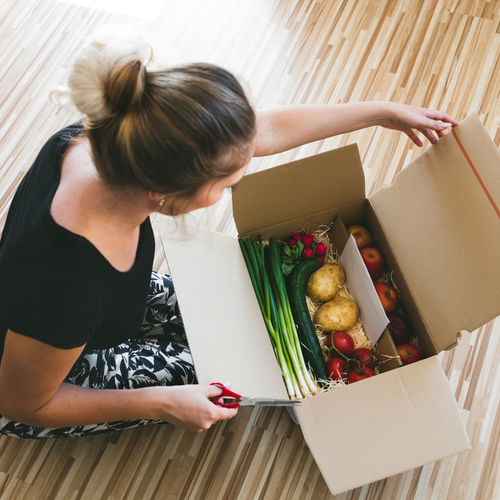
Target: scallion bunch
(264, 266)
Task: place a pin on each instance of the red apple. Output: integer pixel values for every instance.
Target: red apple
(361, 235)
(399, 328)
(374, 261)
(409, 353)
(387, 295)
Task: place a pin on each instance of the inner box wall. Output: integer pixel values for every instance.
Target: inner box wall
(407, 302)
(282, 231)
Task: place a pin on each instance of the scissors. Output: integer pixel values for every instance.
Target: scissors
(241, 401)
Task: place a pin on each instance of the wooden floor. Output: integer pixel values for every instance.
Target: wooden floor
(435, 53)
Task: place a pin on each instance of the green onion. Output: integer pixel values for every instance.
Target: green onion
(264, 267)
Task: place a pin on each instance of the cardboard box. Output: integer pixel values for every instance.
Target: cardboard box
(438, 226)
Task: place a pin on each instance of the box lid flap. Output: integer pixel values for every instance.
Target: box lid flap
(445, 232)
(298, 189)
(411, 408)
(226, 332)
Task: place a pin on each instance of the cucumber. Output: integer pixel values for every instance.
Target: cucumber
(311, 348)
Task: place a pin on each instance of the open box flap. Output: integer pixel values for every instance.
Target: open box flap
(298, 189)
(409, 413)
(226, 333)
(445, 232)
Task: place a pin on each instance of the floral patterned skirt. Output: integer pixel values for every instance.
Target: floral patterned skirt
(157, 355)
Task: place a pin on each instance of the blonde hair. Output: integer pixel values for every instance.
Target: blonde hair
(172, 131)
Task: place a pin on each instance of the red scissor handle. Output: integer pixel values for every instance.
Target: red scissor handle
(226, 394)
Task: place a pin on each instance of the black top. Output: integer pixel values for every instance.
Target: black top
(55, 286)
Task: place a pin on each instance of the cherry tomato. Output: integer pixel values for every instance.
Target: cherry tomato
(360, 374)
(342, 341)
(337, 368)
(365, 356)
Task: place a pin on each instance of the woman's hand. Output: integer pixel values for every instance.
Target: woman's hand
(407, 119)
(189, 406)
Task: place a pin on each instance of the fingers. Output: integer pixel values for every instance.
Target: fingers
(438, 122)
(440, 116)
(219, 412)
(433, 129)
(435, 124)
(430, 123)
(225, 413)
(212, 391)
(215, 397)
(191, 407)
(438, 126)
(429, 135)
(414, 137)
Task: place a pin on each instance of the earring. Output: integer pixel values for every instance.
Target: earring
(161, 203)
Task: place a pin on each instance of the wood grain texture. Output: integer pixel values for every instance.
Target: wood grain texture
(435, 53)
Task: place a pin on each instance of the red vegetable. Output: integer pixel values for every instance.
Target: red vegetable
(343, 343)
(365, 357)
(360, 374)
(320, 249)
(307, 253)
(291, 242)
(307, 240)
(321, 259)
(336, 368)
(296, 236)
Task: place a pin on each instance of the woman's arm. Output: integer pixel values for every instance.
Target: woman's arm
(288, 127)
(33, 392)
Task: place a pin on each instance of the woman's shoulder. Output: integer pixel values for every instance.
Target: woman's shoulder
(68, 132)
(62, 138)
(48, 160)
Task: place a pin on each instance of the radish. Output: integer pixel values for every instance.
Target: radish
(291, 242)
(307, 240)
(307, 253)
(320, 259)
(320, 249)
(296, 236)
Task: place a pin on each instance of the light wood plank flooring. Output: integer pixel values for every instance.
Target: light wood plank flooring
(435, 53)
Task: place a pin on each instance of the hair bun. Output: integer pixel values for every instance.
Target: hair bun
(106, 78)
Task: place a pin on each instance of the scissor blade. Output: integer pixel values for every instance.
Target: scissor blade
(268, 402)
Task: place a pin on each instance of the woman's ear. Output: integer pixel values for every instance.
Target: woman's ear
(158, 198)
(154, 196)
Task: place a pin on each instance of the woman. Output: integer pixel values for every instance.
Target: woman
(78, 234)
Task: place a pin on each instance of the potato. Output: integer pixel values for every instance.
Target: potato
(324, 283)
(338, 314)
